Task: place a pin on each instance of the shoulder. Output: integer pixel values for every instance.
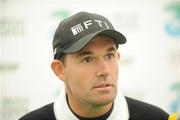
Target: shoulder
(44, 113)
(139, 110)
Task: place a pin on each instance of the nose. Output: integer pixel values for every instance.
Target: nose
(103, 69)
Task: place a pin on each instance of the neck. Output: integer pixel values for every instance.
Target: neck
(86, 110)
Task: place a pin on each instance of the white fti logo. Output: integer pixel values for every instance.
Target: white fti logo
(79, 28)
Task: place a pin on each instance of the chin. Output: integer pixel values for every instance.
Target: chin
(105, 100)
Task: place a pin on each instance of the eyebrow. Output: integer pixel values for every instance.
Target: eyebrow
(84, 53)
(111, 49)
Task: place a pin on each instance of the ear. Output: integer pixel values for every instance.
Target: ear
(58, 69)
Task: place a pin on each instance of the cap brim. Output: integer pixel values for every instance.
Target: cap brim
(115, 35)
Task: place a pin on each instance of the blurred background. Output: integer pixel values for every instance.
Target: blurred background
(149, 63)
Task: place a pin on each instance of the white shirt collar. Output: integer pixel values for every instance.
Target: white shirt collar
(63, 112)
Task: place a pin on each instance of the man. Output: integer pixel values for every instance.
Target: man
(86, 60)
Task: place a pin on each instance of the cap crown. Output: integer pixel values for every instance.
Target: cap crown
(76, 27)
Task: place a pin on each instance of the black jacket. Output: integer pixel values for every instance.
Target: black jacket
(137, 111)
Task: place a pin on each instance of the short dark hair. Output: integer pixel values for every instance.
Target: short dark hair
(62, 58)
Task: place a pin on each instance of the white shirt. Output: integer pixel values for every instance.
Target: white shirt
(63, 112)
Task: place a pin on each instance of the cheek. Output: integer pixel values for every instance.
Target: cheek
(77, 78)
(115, 70)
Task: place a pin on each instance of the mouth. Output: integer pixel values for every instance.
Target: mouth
(104, 85)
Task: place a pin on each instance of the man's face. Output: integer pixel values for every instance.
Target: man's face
(91, 74)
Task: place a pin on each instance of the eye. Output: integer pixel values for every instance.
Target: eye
(110, 55)
(87, 59)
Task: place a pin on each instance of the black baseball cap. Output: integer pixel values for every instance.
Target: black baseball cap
(75, 32)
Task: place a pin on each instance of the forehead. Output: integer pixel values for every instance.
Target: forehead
(96, 45)
(97, 41)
